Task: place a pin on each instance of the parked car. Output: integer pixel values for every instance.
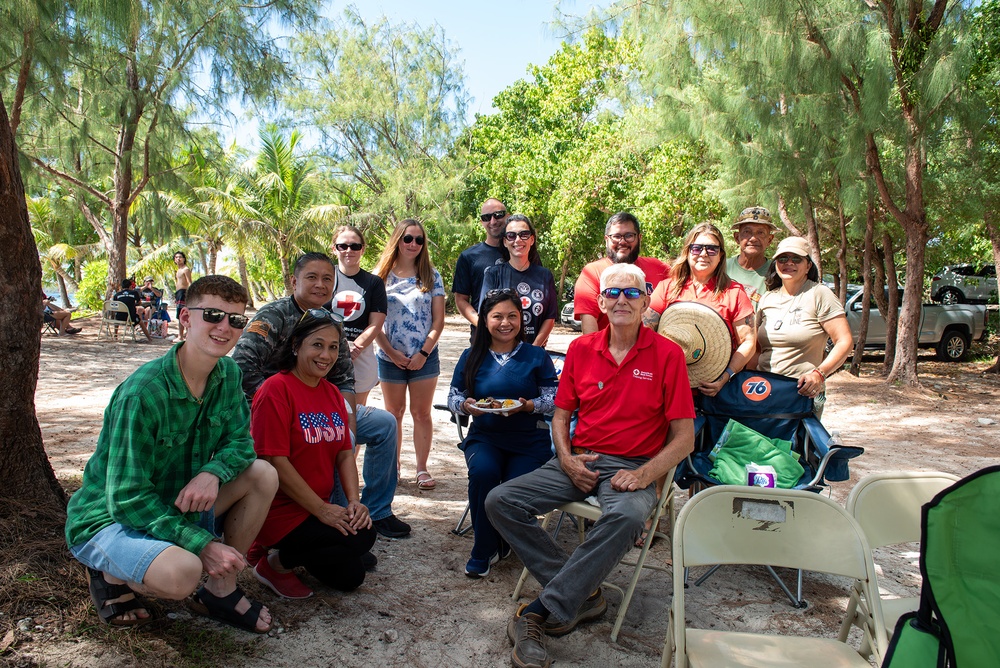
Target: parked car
(965, 284)
(566, 317)
(948, 328)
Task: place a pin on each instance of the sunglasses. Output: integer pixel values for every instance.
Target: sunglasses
(630, 293)
(496, 215)
(353, 247)
(215, 316)
(711, 250)
(321, 314)
(524, 234)
(409, 239)
(618, 238)
(785, 259)
(503, 292)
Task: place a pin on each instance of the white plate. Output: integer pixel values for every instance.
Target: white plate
(517, 404)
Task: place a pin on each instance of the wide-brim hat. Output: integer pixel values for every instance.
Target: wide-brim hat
(754, 214)
(703, 336)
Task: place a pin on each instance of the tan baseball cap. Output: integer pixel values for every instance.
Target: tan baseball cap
(794, 245)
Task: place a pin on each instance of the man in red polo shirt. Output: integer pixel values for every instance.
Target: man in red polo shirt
(624, 241)
(635, 422)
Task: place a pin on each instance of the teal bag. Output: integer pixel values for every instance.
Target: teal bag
(739, 445)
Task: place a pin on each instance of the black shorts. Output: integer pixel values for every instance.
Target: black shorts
(180, 298)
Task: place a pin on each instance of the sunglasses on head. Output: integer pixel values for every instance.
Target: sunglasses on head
(710, 250)
(524, 234)
(409, 239)
(785, 259)
(502, 292)
(215, 316)
(496, 215)
(353, 247)
(630, 293)
(321, 314)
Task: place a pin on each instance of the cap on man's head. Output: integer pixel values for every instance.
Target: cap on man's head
(794, 245)
(755, 214)
(148, 279)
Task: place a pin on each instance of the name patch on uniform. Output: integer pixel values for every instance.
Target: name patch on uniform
(642, 375)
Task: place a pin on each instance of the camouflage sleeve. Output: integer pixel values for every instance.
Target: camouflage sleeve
(256, 348)
(342, 373)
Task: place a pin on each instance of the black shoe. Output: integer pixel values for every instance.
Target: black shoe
(392, 527)
(369, 561)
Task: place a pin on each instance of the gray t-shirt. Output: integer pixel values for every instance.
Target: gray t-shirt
(751, 280)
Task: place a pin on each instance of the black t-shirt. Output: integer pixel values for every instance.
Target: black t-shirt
(130, 298)
(355, 298)
(470, 268)
(537, 289)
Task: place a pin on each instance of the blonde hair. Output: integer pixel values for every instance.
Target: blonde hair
(680, 271)
(387, 260)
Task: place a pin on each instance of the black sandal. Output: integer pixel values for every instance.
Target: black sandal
(102, 591)
(223, 609)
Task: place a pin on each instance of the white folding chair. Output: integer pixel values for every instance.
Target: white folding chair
(789, 528)
(582, 510)
(110, 324)
(888, 508)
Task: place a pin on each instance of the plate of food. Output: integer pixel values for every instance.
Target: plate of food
(491, 405)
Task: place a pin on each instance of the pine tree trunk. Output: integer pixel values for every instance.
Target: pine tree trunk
(24, 468)
(892, 306)
(842, 256)
(866, 297)
(993, 230)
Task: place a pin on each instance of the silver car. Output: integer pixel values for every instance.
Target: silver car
(566, 317)
(965, 284)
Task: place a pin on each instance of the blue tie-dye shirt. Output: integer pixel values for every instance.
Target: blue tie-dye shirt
(408, 317)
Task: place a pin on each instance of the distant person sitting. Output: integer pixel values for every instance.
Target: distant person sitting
(57, 315)
(151, 297)
(159, 322)
(130, 297)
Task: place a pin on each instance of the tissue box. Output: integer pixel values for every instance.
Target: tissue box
(760, 476)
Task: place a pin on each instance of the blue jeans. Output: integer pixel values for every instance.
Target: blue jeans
(488, 467)
(568, 579)
(377, 430)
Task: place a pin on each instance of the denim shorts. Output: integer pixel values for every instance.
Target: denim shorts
(390, 373)
(126, 553)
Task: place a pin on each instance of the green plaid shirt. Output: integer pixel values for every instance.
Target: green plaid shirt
(156, 437)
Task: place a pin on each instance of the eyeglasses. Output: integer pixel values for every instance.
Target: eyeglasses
(524, 234)
(353, 247)
(321, 314)
(630, 293)
(785, 259)
(409, 239)
(618, 238)
(496, 215)
(502, 292)
(711, 250)
(215, 316)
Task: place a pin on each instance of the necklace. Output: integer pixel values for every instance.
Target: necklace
(503, 358)
(186, 383)
(791, 308)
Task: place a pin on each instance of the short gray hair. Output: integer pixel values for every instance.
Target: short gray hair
(624, 270)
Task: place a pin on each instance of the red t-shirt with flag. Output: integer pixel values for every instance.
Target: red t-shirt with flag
(625, 409)
(588, 285)
(309, 426)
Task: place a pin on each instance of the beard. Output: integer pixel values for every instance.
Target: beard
(618, 257)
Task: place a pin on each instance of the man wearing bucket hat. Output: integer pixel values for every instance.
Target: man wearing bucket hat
(754, 232)
(635, 423)
(623, 239)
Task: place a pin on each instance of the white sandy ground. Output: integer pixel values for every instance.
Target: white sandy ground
(419, 609)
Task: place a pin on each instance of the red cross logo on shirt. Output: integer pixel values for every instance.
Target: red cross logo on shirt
(348, 305)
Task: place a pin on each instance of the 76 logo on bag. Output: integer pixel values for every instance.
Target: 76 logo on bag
(756, 388)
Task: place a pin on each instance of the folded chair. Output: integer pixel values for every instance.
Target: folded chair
(770, 405)
(960, 593)
(582, 510)
(888, 507)
(791, 528)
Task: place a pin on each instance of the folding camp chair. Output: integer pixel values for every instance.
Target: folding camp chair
(791, 528)
(583, 510)
(462, 423)
(49, 324)
(960, 593)
(772, 406)
(888, 507)
(110, 322)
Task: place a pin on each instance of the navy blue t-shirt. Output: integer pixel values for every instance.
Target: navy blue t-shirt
(470, 268)
(537, 289)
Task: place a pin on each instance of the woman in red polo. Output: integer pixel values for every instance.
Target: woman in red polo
(699, 275)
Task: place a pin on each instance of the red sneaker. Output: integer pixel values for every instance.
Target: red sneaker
(256, 553)
(282, 584)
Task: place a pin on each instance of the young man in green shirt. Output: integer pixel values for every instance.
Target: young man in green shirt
(173, 469)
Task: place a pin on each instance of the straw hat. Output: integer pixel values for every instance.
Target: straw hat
(703, 336)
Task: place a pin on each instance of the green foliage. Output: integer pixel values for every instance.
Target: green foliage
(91, 292)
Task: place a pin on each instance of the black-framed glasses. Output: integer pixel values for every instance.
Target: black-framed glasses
(409, 239)
(711, 250)
(785, 259)
(627, 237)
(630, 293)
(321, 314)
(353, 247)
(496, 215)
(215, 316)
(524, 234)
(503, 292)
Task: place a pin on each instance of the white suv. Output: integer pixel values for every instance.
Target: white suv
(965, 284)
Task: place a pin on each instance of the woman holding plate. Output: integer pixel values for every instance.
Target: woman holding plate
(504, 443)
